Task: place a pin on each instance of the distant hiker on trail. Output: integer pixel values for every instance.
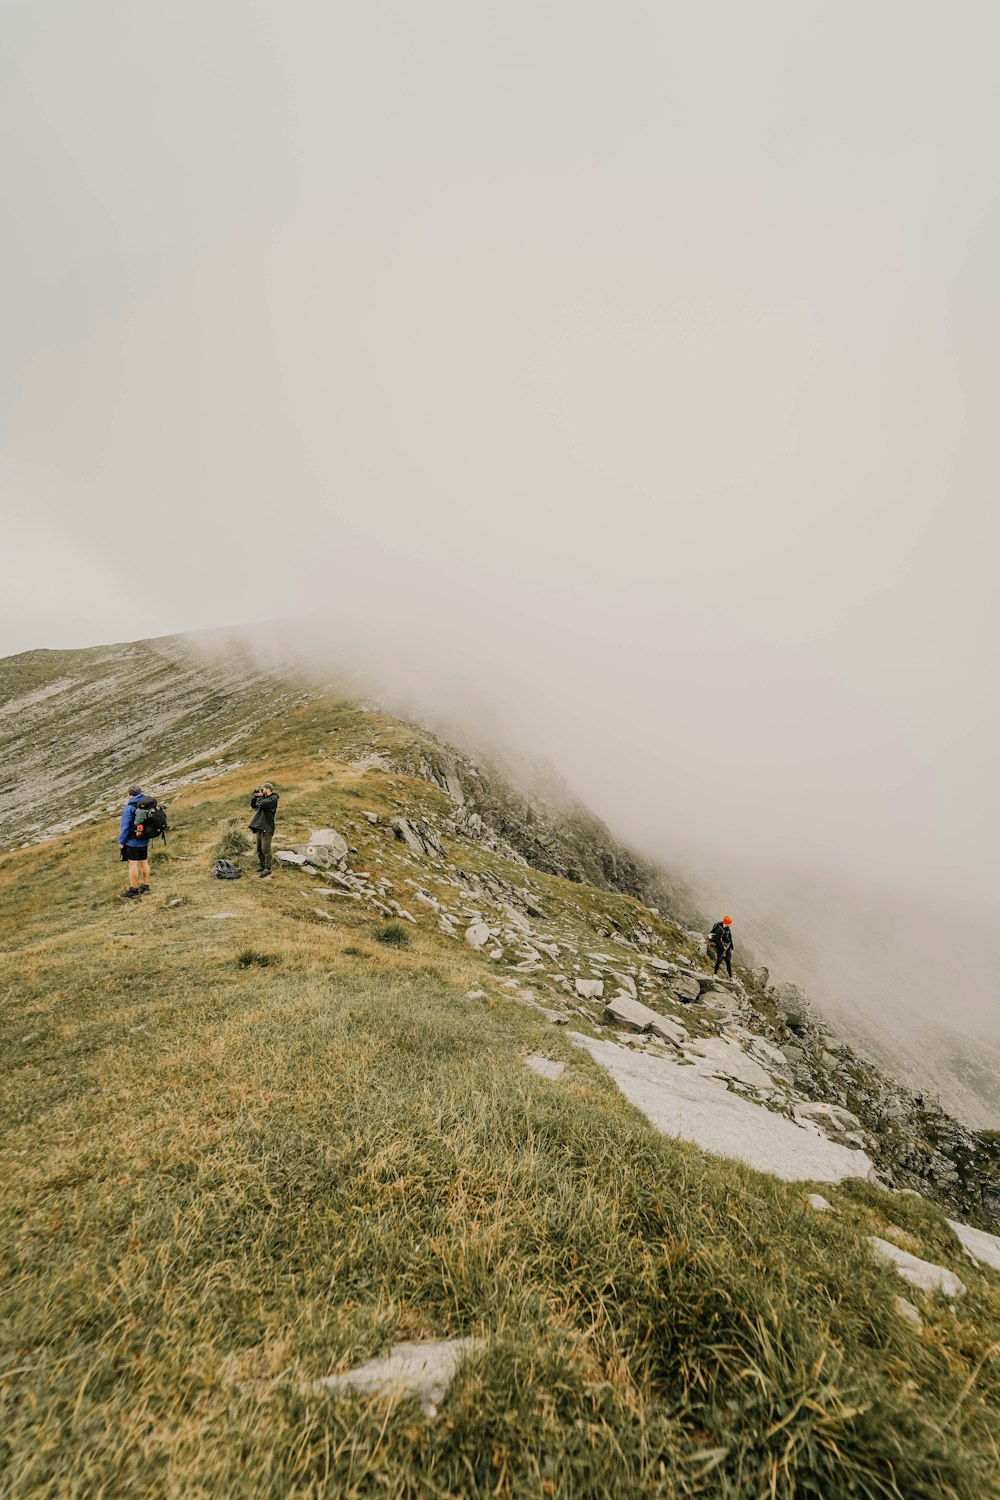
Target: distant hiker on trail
(265, 804)
(133, 839)
(721, 935)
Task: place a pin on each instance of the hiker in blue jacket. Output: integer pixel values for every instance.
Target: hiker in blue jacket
(134, 852)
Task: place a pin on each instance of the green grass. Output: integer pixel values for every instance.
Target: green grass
(392, 935)
(253, 958)
(233, 843)
(220, 1181)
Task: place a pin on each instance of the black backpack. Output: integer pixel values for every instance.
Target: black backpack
(150, 821)
(226, 870)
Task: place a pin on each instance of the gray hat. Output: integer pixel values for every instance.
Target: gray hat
(134, 791)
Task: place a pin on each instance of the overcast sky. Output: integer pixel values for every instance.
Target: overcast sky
(640, 358)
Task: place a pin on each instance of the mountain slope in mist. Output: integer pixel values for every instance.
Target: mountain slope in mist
(85, 723)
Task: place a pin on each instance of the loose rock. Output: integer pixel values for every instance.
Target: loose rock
(422, 1370)
(920, 1273)
(909, 1312)
(545, 1067)
(625, 1011)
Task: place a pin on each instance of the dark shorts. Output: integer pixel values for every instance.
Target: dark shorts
(134, 851)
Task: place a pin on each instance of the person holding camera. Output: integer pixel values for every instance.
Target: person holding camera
(264, 803)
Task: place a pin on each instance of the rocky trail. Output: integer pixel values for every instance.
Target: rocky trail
(740, 1067)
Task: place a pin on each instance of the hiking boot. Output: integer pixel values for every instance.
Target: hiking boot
(265, 874)
(130, 895)
(144, 890)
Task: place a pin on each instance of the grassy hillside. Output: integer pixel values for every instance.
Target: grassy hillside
(241, 1154)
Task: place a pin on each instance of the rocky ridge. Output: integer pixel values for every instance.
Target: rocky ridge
(639, 992)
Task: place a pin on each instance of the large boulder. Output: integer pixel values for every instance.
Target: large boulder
(625, 1011)
(793, 1003)
(589, 989)
(978, 1245)
(325, 849)
(477, 935)
(685, 986)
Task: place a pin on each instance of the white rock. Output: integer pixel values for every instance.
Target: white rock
(981, 1247)
(477, 934)
(908, 1311)
(422, 1370)
(590, 989)
(767, 1055)
(685, 986)
(695, 1105)
(289, 857)
(728, 1060)
(920, 1273)
(629, 1012)
(546, 1067)
(329, 838)
(323, 855)
(819, 1203)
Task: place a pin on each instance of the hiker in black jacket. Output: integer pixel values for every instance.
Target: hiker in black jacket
(721, 935)
(264, 803)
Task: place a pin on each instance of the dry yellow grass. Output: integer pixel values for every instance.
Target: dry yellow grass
(222, 1181)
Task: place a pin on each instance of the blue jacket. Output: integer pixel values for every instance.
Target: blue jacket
(128, 821)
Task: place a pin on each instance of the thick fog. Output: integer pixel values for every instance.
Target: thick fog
(635, 365)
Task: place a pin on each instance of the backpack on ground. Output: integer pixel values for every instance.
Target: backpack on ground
(226, 870)
(149, 821)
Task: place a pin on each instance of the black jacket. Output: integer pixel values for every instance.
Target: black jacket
(722, 937)
(264, 811)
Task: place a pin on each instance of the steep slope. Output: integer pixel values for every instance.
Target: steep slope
(75, 726)
(257, 1132)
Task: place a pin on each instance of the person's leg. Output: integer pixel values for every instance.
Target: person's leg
(718, 960)
(729, 962)
(265, 840)
(133, 874)
(260, 851)
(144, 874)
